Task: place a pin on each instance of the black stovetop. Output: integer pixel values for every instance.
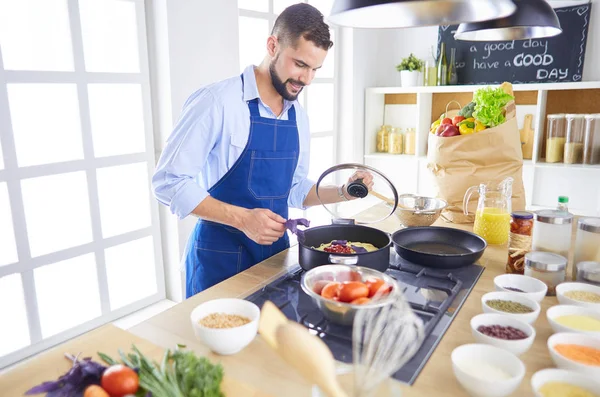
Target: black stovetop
(435, 296)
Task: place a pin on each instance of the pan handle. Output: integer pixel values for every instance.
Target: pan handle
(343, 260)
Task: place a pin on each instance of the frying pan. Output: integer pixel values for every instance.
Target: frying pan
(438, 247)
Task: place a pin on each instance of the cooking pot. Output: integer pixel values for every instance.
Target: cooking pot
(348, 224)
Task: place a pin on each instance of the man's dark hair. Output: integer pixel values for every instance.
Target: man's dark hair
(302, 20)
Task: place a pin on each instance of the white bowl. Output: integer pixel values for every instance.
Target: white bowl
(529, 318)
(534, 288)
(226, 340)
(491, 355)
(516, 347)
(565, 310)
(566, 287)
(574, 339)
(562, 375)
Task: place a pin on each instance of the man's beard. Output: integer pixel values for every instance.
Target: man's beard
(280, 86)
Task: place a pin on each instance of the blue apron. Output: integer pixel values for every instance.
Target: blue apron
(260, 178)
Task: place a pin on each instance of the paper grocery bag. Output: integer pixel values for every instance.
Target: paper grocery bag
(460, 162)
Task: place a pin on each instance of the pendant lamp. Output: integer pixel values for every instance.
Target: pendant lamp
(533, 19)
(413, 13)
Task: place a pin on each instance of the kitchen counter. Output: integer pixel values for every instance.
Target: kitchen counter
(260, 369)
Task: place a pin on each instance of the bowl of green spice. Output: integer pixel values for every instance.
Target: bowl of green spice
(511, 304)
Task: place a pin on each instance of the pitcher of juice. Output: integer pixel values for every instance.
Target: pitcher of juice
(492, 218)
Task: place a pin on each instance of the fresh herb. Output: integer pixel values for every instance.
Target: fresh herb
(82, 374)
(180, 374)
(411, 63)
(292, 226)
(489, 105)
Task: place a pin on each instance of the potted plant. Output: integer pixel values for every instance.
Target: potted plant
(410, 69)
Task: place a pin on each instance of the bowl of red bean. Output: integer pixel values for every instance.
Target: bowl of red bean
(502, 331)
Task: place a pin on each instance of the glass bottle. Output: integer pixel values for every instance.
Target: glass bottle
(395, 141)
(430, 70)
(410, 141)
(382, 139)
(452, 74)
(519, 241)
(563, 204)
(442, 67)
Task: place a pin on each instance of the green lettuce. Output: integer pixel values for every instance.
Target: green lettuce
(489, 105)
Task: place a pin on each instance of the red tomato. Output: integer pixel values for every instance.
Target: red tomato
(447, 120)
(360, 301)
(377, 284)
(355, 276)
(351, 290)
(319, 285)
(457, 119)
(331, 290)
(119, 380)
(95, 391)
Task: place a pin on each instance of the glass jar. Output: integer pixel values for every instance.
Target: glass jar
(555, 138)
(547, 267)
(591, 144)
(587, 241)
(574, 142)
(382, 139)
(395, 141)
(519, 241)
(588, 272)
(410, 141)
(552, 232)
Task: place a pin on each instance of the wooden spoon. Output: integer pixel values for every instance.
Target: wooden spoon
(308, 354)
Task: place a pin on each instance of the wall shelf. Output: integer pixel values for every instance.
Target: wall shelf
(418, 106)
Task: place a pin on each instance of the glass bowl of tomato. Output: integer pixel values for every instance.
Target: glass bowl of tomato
(339, 291)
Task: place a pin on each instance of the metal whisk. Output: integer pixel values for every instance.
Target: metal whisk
(383, 340)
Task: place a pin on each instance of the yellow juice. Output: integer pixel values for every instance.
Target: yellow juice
(493, 224)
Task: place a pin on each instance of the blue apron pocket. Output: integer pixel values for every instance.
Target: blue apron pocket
(271, 174)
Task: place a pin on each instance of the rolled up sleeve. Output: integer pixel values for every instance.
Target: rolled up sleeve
(185, 154)
(301, 185)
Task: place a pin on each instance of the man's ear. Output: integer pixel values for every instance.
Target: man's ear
(272, 45)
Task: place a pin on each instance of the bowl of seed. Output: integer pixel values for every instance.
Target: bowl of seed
(528, 286)
(504, 332)
(226, 326)
(579, 294)
(512, 304)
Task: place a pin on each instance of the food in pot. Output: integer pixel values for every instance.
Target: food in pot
(502, 332)
(354, 292)
(223, 320)
(563, 389)
(346, 247)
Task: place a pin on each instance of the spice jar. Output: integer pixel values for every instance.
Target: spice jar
(519, 241)
(591, 149)
(587, 241)
(574, 142)
(552, 232)
(395, 141)
(410, 141)
(547, 267)
(588, 272)
(555, 140)
(382, 139)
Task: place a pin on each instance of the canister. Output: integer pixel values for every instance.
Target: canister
(552, 232)
(574, 141)
(547, 267)
(588, 272)
(555, 138)
(591, 145)
(587, 241)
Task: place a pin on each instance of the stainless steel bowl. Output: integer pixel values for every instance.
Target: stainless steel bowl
(339, 312)
(415, 210)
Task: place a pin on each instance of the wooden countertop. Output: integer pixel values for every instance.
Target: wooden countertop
(261, 371)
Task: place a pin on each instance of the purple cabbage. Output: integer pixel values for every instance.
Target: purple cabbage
(292, 226)
(359, 250)
(84, 372)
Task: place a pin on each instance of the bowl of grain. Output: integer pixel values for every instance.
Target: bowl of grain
(579, 294)
(511, 304)
(226, 326)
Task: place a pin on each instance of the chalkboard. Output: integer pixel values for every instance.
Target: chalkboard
(553, 59)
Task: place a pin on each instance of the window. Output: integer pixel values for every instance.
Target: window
(79, 235)
(256, 19)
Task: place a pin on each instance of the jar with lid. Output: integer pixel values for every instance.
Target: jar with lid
(410, 141)
(588, 272)
(552, 232)
(395, 141)
(574, 142)
(591, 144)
(555, 138)
(547, 267)
(382, 139)
(519, 241)
(587, 241)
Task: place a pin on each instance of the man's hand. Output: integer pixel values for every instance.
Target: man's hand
(367, 179)
(262, 226)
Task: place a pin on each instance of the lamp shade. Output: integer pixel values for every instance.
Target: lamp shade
(413, 13)
(532, 19)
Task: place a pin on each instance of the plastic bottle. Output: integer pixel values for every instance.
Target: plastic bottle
(563, 204)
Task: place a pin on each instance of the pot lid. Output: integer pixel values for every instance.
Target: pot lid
(381, 199)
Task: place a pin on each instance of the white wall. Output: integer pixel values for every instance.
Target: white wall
(192, 43)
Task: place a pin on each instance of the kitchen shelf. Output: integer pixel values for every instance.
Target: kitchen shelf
(419, 106)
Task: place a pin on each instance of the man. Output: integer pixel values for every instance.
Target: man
(247, 141)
